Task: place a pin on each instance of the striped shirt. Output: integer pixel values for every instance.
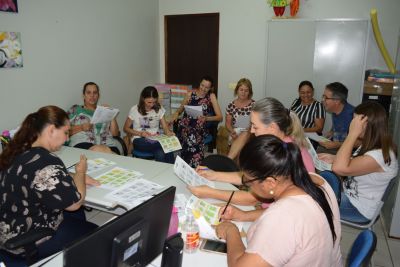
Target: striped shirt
(307, 114)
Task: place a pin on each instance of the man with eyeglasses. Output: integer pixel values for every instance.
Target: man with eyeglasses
(334, 100)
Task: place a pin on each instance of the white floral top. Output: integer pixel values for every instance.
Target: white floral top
(34, 191)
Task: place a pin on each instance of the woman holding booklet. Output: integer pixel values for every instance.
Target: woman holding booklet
(37, 190)
(192, 130)
(302, 226)
(84, 134)
(237, 120)
(144, 121)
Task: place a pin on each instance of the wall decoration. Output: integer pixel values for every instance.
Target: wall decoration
(10, 50)
(9, 6)
(279, 7)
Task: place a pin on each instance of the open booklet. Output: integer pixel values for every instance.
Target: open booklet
(168, 143)
(319, 164)
(103, 114)
(207, 217)
(188, 174)
(194, 111)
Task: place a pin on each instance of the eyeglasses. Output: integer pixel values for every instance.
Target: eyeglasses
(248, 182)
(324, 97)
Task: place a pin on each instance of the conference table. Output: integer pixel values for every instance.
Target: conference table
(160, 173)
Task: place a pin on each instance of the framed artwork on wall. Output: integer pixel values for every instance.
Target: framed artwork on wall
(9, 6)
(10, 50)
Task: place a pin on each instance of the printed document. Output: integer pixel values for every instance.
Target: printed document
(103, 114)
(188, 174)
(194, 111)
(168, 143)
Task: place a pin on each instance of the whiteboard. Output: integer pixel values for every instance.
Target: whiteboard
(322, 51)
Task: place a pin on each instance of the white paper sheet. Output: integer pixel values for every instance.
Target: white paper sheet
(103, 114)
(319, 164)
(242, 122)
(318, 138)
(188, 174)
(94, 165)
(134, 193)
(207, 210)
(194, 111)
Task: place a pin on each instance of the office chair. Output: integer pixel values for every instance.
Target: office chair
(120, 144)
(369, 225)
(220, 163)
(26, 241)
(362, 249)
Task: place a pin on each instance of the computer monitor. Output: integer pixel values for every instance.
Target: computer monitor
(133, 239)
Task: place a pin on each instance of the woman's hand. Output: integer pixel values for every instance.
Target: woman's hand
(86, 127)
(202, 191)
(234, 135)
(145, 134)
(81, 166)
(223, 229)
(90, 181)
(206, 173)
(231, 213)
(328, 158)
(358, 125)
(169, 133)
(329, 144)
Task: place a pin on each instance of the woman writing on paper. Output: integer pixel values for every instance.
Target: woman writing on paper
(302, 226)
(84, 134)
(371, 168)
(238, 111)
(268, 116)
(35, 186)
(191, 130)
(144, 120)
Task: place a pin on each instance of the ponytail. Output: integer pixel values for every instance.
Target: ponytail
(30, 129)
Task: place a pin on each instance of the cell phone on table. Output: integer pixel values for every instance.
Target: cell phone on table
(213, 246)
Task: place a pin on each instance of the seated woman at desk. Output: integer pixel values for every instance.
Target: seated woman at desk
(268, 116)
(369, 170)
(301, 228)
(192, 131)
(144, 121)
(237, 110)
(97, 137)
(310, 112)
(36, 187)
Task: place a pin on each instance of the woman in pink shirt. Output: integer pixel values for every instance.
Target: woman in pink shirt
(269, 116)
(301, 227)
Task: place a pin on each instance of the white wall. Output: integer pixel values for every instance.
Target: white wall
(67, 43)
(243, 26)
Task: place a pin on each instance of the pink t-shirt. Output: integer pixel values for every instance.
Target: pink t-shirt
(294, 231)
(307, 159)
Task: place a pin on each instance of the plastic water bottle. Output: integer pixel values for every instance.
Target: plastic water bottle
(174, 222)
(190, 233)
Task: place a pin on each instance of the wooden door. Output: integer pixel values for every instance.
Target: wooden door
(191, 48)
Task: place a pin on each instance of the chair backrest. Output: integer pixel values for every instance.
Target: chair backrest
(220, 163)
(362, 249)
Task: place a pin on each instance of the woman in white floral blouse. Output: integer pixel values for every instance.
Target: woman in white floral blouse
(35, 186)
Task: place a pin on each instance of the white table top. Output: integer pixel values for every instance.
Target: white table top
(161, 173)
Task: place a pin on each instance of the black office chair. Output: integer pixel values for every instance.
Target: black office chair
(220, 163)
(120, 144)
(26, 241)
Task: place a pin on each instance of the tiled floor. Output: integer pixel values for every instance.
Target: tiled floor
(387, 252)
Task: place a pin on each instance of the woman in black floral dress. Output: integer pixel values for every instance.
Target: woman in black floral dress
(35, 186)
(192, 131)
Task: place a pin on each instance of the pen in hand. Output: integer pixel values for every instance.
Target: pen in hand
(227, 204)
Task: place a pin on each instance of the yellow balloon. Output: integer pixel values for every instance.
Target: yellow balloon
(379, 41)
